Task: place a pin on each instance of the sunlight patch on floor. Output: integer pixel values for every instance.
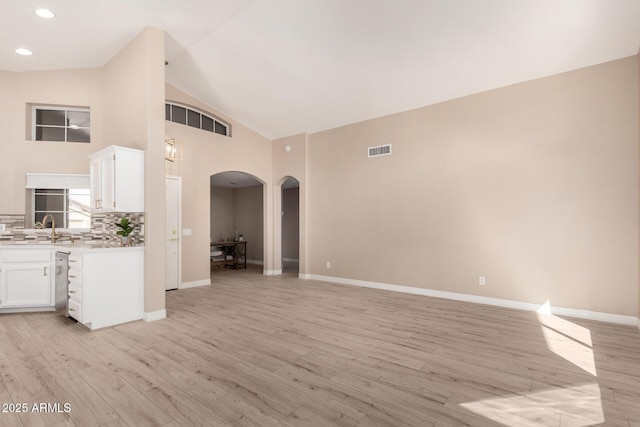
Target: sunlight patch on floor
(568, 340)
(577, 406)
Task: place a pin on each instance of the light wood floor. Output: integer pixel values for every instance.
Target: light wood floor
(253, 350)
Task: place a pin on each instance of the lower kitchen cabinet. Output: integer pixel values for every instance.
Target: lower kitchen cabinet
(26, 278)
(106, 287)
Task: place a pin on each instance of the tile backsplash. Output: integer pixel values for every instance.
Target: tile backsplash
(12, 221)
(103, 229)
(106, 223)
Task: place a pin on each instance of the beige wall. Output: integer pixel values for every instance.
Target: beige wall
(134, 101)
(248, 219)
(534, 186)
(81, 87)
(221, 208)
(206, 154)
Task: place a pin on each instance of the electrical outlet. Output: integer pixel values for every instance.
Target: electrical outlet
(328, 264)
(482, 281)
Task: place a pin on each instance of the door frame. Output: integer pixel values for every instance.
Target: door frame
(179, 232)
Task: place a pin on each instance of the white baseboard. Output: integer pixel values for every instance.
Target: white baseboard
(194, 284)
(542, 308)
(272, 272)
(154, 315)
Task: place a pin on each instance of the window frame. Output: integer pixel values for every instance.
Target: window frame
(41, 107)
(217, 122)
(77, 185)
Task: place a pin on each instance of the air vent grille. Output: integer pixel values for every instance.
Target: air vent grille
(380, 150)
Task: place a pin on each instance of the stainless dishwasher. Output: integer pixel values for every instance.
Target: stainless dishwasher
(62, 282)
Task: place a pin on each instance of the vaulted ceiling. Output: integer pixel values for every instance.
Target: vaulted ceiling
(283, 67)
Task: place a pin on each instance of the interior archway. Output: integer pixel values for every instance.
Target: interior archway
(236, 213)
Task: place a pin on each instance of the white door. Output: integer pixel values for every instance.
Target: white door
(172, 261)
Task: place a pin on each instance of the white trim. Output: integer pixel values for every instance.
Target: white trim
(519, 305)
(194, 284)
(56, 180)
(180, 236)
(272, 272)
(154, 315)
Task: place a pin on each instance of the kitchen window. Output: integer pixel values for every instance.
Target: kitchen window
(65, 196)
(69, 207)
(61, 124)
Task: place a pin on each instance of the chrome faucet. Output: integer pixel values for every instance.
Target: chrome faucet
(53, 226)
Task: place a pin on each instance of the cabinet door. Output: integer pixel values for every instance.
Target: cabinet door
(107, 182)
(96, 191)
(26, 285)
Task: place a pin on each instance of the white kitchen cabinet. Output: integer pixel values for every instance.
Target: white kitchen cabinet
(117, 180)
(106, 287)
(26, 278)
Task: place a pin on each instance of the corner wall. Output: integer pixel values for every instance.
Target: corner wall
(533, 186)
(134, 109)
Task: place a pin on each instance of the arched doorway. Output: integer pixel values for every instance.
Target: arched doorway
(236, 211)
(290, 226)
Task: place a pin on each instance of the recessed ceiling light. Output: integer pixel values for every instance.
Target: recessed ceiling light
(45, 13)
(23, 51)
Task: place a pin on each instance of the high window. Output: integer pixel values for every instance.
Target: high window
(191, 117)
(61, 124)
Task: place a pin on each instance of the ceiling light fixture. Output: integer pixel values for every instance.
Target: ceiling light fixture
(23, 51)
(45, 13)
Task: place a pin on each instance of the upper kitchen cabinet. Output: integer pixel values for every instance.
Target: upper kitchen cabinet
(117, 180)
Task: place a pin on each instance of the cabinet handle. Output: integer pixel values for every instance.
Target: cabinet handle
(72, 260)
(72, 309)
(72, 276)
(45, 271)
(72, 292)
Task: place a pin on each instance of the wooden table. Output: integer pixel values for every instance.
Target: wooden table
(237, 250)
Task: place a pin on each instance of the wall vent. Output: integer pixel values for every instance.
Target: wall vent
(380, 150)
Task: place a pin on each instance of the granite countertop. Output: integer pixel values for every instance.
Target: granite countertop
(77, 247)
